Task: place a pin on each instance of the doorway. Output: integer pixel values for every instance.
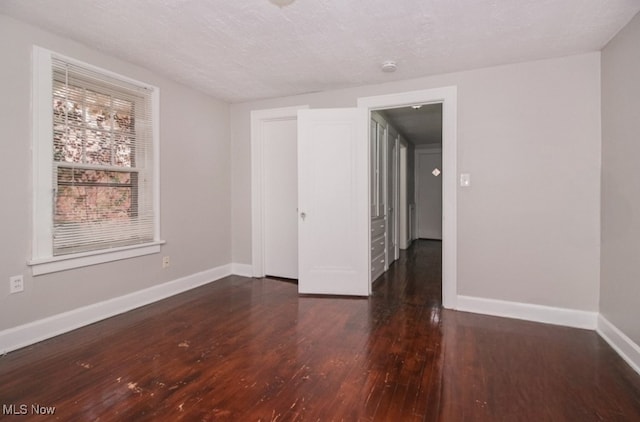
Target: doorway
(274, 192)
(447, 97)
(280, 181)
(417, 131)
(357, 231)
(428, 193)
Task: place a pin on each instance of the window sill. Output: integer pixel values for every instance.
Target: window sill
(68, 262)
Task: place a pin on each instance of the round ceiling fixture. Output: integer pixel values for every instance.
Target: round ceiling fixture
(282, 3)
(389, 66)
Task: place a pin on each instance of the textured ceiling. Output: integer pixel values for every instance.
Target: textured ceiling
(239, 50)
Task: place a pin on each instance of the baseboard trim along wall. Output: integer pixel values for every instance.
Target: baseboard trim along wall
(526, 311)
(27, 334)
(245, 270)
(33, 332)
(626, 348)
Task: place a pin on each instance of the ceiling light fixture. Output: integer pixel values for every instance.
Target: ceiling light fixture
(282, 3)
(417, 106)
(389, 66)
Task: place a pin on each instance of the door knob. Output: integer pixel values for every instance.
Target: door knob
(303, 215)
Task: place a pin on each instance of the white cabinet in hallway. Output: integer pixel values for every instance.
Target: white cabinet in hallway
(378, 152)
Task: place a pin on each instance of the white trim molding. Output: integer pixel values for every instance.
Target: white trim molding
(66, 262)
(448, 96)
(33, 332)
(529, 312)
(43, 260)
(620, 342)
(258, 119)
(244, 270)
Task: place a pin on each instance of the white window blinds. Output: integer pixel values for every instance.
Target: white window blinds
(102, 161)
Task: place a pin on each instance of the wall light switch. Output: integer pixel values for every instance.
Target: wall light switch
(465, 180)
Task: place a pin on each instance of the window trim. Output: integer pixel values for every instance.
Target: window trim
(42, 259)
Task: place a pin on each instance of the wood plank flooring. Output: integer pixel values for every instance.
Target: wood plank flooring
(245, 349)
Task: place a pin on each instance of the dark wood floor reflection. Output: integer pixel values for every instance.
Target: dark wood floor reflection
(243, 350)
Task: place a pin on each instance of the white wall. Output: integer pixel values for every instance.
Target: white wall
(529, 133)
(620, 276)
(528, 228)
(195, 187)
(428, 193)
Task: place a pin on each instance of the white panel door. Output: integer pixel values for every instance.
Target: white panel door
(429, 195)
(333, 201)
(280, 178)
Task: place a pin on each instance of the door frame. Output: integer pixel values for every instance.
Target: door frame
(404, 232)
(258, 119)
(391, 196)
(448, 96)
(396, 197)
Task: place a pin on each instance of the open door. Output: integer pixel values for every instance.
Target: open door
(333, 214)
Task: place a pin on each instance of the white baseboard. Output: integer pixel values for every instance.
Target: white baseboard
(245, 270)
(538, 313)
(33, 332)
(27, 334)
(623, 345)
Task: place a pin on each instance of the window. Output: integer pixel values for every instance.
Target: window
(95, 165)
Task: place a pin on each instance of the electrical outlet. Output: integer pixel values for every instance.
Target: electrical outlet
(16, 284)
(165, 262)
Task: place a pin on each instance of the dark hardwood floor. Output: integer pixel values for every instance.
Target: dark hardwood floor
(245, 349)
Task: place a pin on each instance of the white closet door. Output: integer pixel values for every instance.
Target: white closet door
(333, 183)
(280, 178)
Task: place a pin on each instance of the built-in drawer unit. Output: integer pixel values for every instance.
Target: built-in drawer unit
(377, 228)
(377, 246)
(377, 266)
